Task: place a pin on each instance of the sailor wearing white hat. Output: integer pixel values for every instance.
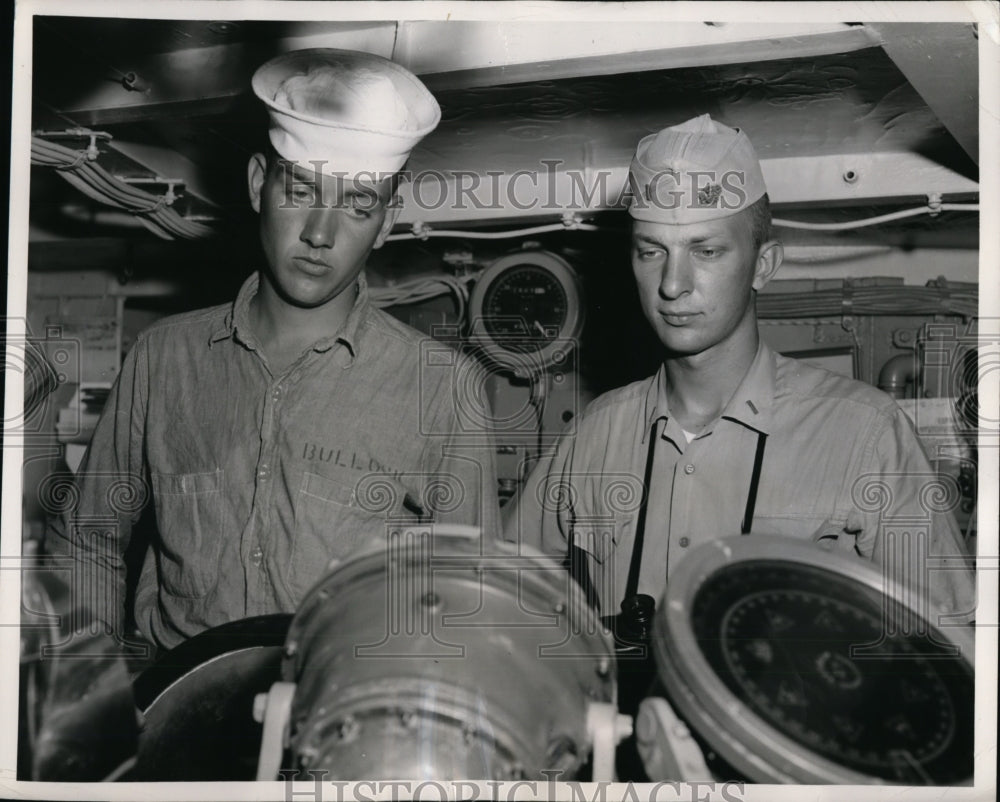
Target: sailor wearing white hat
(344, 113)
(277, 433)
(342, 124)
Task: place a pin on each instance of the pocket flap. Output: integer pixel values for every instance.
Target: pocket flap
(328, 489)
(372, 493)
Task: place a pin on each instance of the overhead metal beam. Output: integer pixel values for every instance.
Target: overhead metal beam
(188, 82)
(941, 62)
(584, 51)
(847, 178)
(455, 55)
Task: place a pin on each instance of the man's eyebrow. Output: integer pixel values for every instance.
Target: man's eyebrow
(301, 176)
(690, 241)
(345, 191)
(648, 239)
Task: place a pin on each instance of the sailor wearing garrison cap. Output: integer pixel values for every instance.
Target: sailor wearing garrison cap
(698, 170)
(286, 427)
(731, 437)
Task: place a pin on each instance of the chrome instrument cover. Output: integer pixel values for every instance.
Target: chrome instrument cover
(443, 656)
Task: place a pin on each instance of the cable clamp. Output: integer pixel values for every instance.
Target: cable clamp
(847, 306)
(420, 230)
(167, 198)
(92, 151)
(934, 204)
(944, 294)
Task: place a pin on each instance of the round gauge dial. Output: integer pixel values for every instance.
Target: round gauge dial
(526, 311)
(819, 658)
(524, 308)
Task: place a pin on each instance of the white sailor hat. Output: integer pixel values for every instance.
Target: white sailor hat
(696, 171)
(343, 112)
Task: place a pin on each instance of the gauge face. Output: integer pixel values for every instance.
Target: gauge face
(815, 656)
(525, 308)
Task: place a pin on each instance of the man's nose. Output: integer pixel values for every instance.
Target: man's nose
(675, 280)
(320, 229)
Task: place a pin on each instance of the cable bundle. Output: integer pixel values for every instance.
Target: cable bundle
(954, 299)
(97, 183)
(423, 289)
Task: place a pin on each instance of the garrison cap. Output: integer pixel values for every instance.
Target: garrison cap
(696, 171)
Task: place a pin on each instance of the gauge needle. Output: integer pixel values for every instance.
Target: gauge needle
(540, 328)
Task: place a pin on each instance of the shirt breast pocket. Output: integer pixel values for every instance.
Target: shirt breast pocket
(331, 524)
(189, 519)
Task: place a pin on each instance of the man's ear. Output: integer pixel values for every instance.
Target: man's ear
(256, 173)
(391, 215)
(769, 258)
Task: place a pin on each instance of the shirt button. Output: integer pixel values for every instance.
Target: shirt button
(257, 555)
(689, 468)
(684, 542)
(264, 472)
(276, 393)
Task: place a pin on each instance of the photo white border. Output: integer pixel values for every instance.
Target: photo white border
(984, 12)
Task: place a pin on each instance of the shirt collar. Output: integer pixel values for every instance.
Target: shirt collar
(656, 401)
(237, 321)
(751, 404)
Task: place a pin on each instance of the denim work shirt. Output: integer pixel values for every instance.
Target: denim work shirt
(841, 463)
(260, 480)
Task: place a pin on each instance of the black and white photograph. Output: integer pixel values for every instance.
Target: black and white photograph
(500, 401)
